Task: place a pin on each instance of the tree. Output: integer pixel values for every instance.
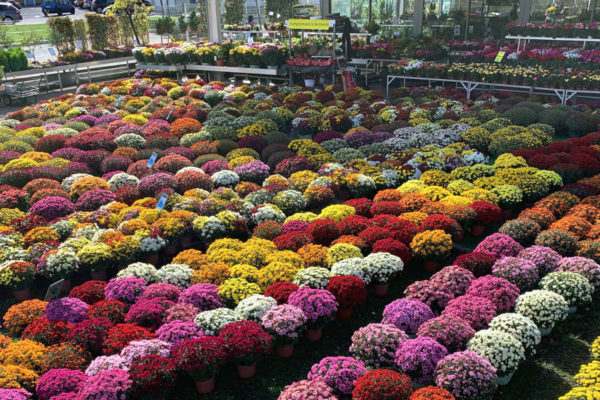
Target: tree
(194, 22)
(165, 26)
(131, 9)
(234, 11)
(282, 7)
(62, 34)
(182, 25)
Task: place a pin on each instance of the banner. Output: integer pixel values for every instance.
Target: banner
(308, 24)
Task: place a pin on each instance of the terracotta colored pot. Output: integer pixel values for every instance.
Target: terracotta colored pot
(314, 335)
(171, 250)
(220, 63)
(246, 371)
(381, 289)
(22, 295)
(460, 237)
(206, 386)
(344, 313)
(477, 230)
(185, 242)
(154, 259)
(431, 266)
(285, 350)
(99, 275)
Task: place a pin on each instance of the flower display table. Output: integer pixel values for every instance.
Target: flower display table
(564, 95)
(526, 39)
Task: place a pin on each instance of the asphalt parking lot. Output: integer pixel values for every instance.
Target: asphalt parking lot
(34, 15)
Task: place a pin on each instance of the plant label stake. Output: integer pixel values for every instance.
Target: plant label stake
(152, 159)
(499, 56)
(53, 291)
(161, 202)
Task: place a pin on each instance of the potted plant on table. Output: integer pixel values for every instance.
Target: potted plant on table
(220, 54)
(18, 276)
(201, 359)
(206, 55)
(247, 342)
(273, 56)
(285, 323)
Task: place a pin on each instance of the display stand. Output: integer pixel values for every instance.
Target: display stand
(273, 34)
(268, 74)
(563, 95)
(163, 67)
(306, 27)
(527, 39)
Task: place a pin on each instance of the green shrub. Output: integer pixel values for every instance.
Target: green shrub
(580, 123)
(522, 116)
(204, 158)
(555, 117)
(225, 146)
(505, 144)
(277, 137)
(548, 129)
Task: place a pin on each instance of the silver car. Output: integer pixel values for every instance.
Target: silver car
(9, 12)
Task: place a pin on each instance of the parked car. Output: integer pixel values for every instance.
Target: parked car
(59, 7)
(99, 5)
(14, 3)
(9, 12)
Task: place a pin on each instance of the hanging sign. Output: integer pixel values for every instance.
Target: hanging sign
(316, 24)
(499, 56)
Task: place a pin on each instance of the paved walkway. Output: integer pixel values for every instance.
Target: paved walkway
(4, 109)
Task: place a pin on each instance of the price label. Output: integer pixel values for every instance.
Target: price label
(152, 159)
(161, 202)
(271, 13)
(169, 116)
(53, 291)
(499, 56)
(119, 100)
(250, 40)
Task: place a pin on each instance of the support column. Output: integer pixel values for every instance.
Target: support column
(213, 17)
(524, 11)
(214, 21)
(325, 6)
(418, 18)
(593, 10)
